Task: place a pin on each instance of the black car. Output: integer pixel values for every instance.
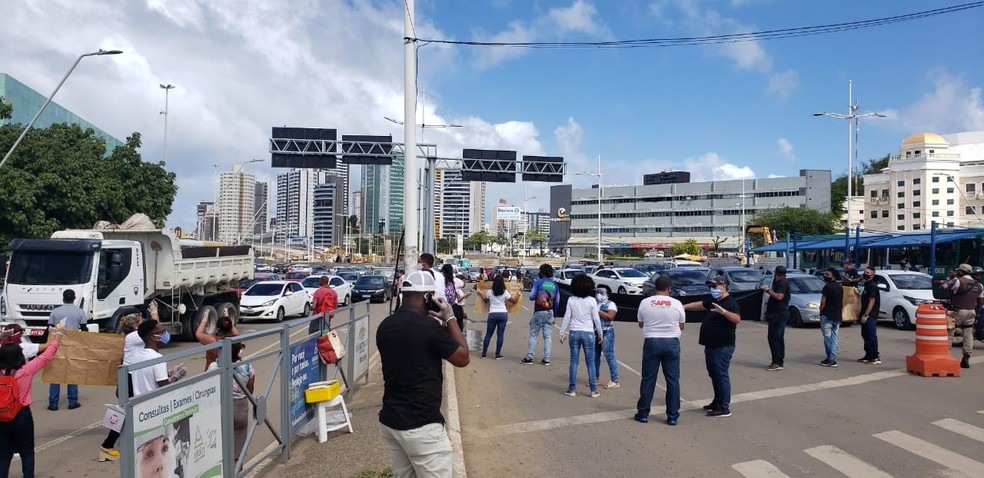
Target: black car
(373, 288)
(685, 281)
(530, 275)
(738, 278)
(648, 268)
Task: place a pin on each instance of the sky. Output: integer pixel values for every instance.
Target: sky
(737, 110)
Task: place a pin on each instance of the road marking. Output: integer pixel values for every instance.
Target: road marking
(552, 423)
(845, 463)
(64, 438)
(276, 343)
(932, 452)
(965, 429)
(813, 387)
(758, 469)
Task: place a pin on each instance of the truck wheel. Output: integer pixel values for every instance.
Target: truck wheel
(231, 308)
(206, 313)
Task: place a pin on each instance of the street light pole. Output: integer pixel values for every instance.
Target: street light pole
(600, 186)
(50, 97)
(411, 225)
(167, 89)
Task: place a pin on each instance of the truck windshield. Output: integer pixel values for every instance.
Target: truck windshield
(49, 268)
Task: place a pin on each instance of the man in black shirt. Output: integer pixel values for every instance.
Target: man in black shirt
(777, 314)
(717, 335)
(831, 303)
(412, 344)
(870, 305)
(851, 276)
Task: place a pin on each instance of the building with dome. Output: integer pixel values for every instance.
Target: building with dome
(933, 178)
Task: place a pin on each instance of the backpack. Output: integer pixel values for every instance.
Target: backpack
(10, 404)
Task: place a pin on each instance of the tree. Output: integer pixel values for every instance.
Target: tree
(688, 246)
(59, 177)
(838, 188)
(535, 238)
(804, 221)
(6, 110)
(353, 222)
(477, 240)
(718, 240)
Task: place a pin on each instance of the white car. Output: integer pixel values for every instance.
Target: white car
(621, 280)
(342, 288)
(564, 276)
(902, 292)
(274, 300)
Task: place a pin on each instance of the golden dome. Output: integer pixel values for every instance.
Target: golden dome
(921, 138)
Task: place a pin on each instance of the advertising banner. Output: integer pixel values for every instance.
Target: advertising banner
(361, 356)
(180, 432)
(85, 358)
(305, 369)
(507, 213)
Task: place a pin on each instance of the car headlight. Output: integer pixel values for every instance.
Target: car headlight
(813, 305)
(268, 303)
(682, 293)
(916, 301)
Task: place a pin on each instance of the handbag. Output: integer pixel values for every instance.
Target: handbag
(330, 347)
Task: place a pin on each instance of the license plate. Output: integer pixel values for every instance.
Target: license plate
(35, 332)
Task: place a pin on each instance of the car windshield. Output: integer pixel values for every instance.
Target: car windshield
(746, 275)
(263, 288)
(681, 278)
(805, 285)
(629, 273)
(371, 281)
(49, 268)
(296, 275)
(311, 282)
(349, 276)
(912, 281)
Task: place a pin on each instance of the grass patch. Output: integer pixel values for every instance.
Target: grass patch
(387, 473)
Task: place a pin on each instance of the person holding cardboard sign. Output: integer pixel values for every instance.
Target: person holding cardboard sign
(499, 300)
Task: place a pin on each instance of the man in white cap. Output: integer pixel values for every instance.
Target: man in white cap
(412, 344)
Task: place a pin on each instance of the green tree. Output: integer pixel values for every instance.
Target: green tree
(688, 246)
(6, 111)
(788, 219)
(535, 238)
(353, 221)
(59, 178)
(838, 188)
(477, 240)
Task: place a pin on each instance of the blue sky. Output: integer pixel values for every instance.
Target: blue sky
(725, 111)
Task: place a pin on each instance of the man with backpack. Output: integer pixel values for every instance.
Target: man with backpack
(964, 301)
(546, 300)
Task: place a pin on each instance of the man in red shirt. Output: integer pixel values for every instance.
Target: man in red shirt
(325, 300)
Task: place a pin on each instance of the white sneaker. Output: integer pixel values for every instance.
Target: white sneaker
(611, 385)
(595, 394)
(570, 393)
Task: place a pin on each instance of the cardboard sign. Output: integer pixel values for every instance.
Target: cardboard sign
(851, 309)
(85, 358)
(514, 289)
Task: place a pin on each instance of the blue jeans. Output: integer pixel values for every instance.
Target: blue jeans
(609, 351)
(54, 394)
(17, 436)
(829, 330)
(663, 352)
(869, 332)
(718, 361)
(542, 321)
(497, 324)
(585, 340)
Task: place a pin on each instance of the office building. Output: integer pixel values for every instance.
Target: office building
(356, 209)
(382, 197)
(205, 229)
(295, 197)
(261, 204)
(459, 205)
(340, 171)
(328, 212)
(237, 196)
(639, 218)
(26, 102)
(666, 177)
(538, 221)
(934, 178)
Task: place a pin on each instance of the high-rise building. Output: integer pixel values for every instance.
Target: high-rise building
(26, 102)
(341, 171)
(295, 197)
(382, 197)
(205, 229)
(356, 209)
(237, 195)
(261, 204)
(459, 205)
(328, 215)
(538, 221)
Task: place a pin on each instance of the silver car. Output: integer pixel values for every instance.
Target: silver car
(804, 298)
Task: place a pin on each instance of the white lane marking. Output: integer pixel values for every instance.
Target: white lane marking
(552, 423)
(758, 469)
(845, 463)
(454, 422)
(980, 412)
(64, 438)
(813, 387)
(276, 343)
(965, 429)
(932, 452)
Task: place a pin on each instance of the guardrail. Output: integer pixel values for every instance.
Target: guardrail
(188, 425)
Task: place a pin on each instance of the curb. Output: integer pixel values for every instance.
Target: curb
(453, 422)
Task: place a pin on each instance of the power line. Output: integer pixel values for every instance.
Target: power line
(730, 38)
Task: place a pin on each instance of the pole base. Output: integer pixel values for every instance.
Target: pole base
(933, 366)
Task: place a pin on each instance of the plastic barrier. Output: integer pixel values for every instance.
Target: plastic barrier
(932, 357)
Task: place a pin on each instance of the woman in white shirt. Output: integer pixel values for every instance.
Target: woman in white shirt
(499, 300)
(585, 330)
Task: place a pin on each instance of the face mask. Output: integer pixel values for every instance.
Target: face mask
(601, 298)
(165, 337)
(827, 278)
(716, 293)
(868, 277)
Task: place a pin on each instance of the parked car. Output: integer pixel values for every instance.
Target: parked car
(901, 293)
(263, 267)
(344, 290)
(372, 288)
(301, 268)
(678, 263)
(564, 276)
(530, 275)
(804, 298)
(474, 274)
(685, 281)
(738, 278)
(349, 276)
(621, 280)
(648, 268)
(280, 268)
(274, 300)
(244, 285)
(296, 276)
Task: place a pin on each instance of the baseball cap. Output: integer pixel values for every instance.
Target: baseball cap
(781, 270)
(847, 261)
(965, 268)
(716, 281)
(418, 281)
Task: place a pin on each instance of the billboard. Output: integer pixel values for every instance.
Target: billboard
(507, 213)
(560, 215)
(303, 148)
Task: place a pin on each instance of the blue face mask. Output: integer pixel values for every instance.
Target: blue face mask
(716, 293)
(165, 337)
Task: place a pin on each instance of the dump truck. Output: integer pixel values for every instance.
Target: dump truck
(116, 272)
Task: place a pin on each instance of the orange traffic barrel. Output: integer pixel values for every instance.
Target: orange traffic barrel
(932, 357)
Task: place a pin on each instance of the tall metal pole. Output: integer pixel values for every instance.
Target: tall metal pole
(52, 95)
(741, 226)
(411, 173)
(600, 258)
(167, 89)
(850, 162)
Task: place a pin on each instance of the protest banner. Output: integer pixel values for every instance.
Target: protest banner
(85, 358)
(514, 289)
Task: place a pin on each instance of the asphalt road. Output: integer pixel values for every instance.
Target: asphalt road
(67, 441)
(856, 420)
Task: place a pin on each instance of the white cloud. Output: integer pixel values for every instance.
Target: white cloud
(783, 85)
(518, 32)
(952, 106)
(579, 17)
(785, 149)
(713, 167)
